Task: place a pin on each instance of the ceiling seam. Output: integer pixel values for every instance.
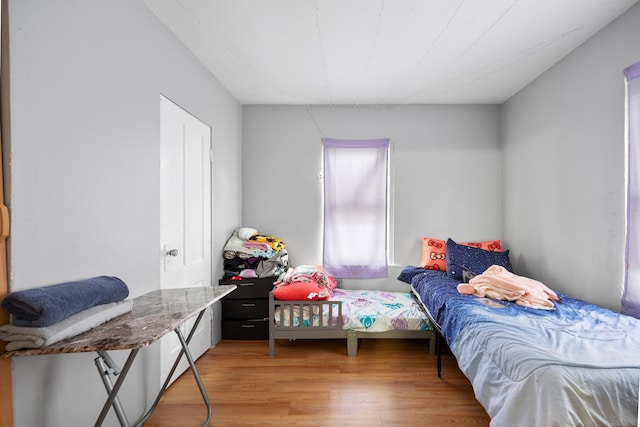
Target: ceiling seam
(322, 56)
(505, 63)
(235, 53)
(425, 53)
(489, 28)
(373, 48)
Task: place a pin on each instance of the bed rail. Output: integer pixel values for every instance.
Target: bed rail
(304, 320)
(324, 320)
(309, 315)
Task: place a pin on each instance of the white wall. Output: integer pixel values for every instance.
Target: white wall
(83, 176)
(563, 151)
(447, 177)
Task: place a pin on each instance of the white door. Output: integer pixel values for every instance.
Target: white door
(185, 218)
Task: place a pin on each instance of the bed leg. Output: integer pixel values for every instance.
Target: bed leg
(438, 354)
(352, 343)
(432, 343)
(272, 325)
(272, 347)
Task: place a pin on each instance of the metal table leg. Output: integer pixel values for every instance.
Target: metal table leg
(196, 375)
(107, 367)
(113, 391)
(185, 350)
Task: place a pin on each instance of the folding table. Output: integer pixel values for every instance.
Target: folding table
(153, 315)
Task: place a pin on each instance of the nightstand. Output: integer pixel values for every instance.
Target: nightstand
(245, 311)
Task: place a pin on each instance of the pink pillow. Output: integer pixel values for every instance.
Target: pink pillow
(434, 251)
(301, 291)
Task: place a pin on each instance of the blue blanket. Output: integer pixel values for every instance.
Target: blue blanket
(18, 337)
(44, 306)
(575, 365)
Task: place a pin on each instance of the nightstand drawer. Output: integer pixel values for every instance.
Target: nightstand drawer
(250, 288)
(245, 308)
(251, 329)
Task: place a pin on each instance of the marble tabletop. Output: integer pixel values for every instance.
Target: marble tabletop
(153, 315)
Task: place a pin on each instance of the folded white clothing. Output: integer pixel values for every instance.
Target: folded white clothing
(235, 244)
(18, 337)
(245, 232)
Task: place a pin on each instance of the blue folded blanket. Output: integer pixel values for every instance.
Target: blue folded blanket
(18, 337)
(39, 307)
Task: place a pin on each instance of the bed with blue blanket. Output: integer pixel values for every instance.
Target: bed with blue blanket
(575, 365)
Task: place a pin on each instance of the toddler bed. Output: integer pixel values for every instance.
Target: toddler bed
(571, 363)
(350, 314)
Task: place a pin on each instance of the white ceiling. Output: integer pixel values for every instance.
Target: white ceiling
(361, 52)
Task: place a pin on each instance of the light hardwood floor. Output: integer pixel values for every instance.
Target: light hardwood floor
(314, 383)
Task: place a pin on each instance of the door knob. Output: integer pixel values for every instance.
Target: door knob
(172, 252)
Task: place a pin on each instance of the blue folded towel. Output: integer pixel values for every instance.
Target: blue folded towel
(39, 307)
(18, 337)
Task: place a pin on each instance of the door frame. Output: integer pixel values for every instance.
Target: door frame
(207, 163)
(6, 391)
(6, 394)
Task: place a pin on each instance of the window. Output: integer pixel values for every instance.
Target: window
(631, 296)
(355, 207)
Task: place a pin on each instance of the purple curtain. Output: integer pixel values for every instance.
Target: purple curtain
(631, 295)
(355, 208)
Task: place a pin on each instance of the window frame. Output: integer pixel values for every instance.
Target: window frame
(389, 206)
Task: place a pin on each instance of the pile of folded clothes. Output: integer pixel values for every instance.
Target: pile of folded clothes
(304, 282)
(43, 316)
(249, 254)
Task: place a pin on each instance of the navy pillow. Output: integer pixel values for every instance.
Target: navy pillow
(473, 260)
(407, 273)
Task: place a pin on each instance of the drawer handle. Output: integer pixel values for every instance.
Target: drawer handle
(248, 326)
(248, 304)
(246, 284)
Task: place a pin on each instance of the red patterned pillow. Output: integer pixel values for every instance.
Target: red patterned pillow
(434, 251)
(301, 291)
